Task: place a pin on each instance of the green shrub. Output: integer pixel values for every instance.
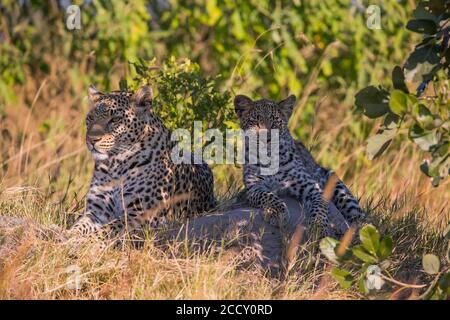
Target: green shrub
(183, 94)
(365, 265)
(423, 115)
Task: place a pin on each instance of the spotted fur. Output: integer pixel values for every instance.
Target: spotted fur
(135, 182)
(299, 175)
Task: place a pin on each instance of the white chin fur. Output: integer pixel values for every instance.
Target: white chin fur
(99, 156)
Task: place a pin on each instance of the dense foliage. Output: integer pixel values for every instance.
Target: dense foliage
(418, 103)
(184, 95)
(266, 48)
(367, 265)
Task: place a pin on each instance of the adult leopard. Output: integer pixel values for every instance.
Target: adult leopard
(298, 175)
(135, 181)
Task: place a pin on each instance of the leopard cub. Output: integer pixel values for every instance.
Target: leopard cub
(298, 175)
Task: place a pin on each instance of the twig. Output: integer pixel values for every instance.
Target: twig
(406, 285)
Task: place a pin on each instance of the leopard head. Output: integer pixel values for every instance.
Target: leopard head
(263, 114)
(116, 120)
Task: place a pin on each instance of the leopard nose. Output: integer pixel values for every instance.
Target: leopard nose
(95, 133)
(93, 139)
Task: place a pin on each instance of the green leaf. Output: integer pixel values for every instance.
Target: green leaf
(422, 64)
(214, 12)
(442, 150)
(421, 13)
(442, 164)
(398, 102)
(391, 121)
(370, 239)
(425, 139)
(411, 101)
(425, 118)
(378, 143)
(327, 246)
(362, 284)
(363, 255)
(386, 246)
(438, 168)
(444, 283)
(430, 263)
(237, 26)
(435, 182)
(373, 101)
(425, 168)
(401, 102)
(342, 276)
(422, 26)
(398, 79)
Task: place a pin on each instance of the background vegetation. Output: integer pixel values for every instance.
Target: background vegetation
(320, 50)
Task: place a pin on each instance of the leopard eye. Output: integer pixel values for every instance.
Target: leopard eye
(116, 119)
(113, 121)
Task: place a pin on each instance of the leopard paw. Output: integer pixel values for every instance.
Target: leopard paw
(277, 215)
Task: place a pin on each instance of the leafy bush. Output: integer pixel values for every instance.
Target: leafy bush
(416, 105)
(365, 265)
(183, 94)
(421, 113)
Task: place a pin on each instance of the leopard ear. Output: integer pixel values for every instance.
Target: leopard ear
(241, 104)
(143, 97)
(93, 94)
(287, 105)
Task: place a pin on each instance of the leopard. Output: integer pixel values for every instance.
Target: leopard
(135, 183)
(299, 175)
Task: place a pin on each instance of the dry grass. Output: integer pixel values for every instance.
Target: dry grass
(44, 174)
(33, 268)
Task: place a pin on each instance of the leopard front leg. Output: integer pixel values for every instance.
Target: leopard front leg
(347, 204)
(140, 212)
(87, 224)
(99, 211)
(310, 193)
(134, 218)
(274, 208)
(343, 199)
